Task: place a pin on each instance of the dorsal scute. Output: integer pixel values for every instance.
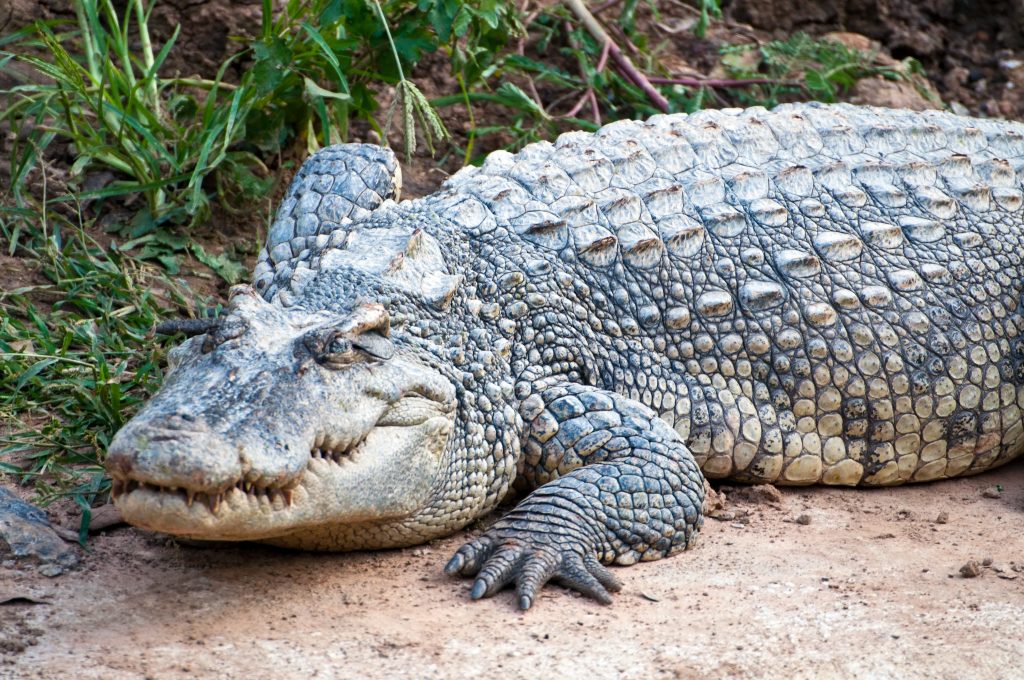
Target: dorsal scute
(389, 250)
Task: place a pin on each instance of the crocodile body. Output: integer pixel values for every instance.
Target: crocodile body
(811, 294)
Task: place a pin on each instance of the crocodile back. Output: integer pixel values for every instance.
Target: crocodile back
(813, 293)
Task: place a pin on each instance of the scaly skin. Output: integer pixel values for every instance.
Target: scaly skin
(814, 294)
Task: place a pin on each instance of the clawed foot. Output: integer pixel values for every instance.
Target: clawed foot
(530, 563)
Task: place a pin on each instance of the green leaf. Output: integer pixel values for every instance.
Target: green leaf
(272, 59)
(328, 54)
(232, 271)
(440, 20)
(315, 91)
(819, 84)
(34, 370)
(512, 95)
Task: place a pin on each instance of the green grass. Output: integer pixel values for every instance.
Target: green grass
(566, 62)
(182, 143)
(77, 354)
(582, 90)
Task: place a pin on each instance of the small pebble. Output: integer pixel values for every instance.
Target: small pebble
(992, 492)
(804, 519)
(971, 569)
(723, 515)
(943, 518)
(51, 570)
(987, 562)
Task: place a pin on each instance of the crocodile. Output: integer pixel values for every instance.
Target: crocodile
(811, 294)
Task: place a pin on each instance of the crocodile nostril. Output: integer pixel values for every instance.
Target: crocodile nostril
(183, 420)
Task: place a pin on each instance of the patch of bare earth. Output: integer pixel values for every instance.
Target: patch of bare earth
(820, 583)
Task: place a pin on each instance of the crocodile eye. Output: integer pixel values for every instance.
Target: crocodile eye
(338, 351)
(339, 346)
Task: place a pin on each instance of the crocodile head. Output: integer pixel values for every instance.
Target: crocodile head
(278, 424)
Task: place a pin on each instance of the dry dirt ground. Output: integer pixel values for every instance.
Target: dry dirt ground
(809, 583)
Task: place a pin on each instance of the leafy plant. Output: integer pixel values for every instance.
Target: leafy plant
(582, 88)
(316, 65)
(117, 112)
(821, 69)
(78, 358)
(708, 9)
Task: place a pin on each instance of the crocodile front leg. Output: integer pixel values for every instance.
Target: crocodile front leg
(623, 488)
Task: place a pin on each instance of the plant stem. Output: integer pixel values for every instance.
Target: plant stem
(147, 58)
(391, 41)
(87, 41)
(472, 120)
(34, 355)
(120, 39)
(595, 29)
(201, 83)
(716, 82)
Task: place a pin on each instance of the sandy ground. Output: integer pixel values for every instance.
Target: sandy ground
(867, 586)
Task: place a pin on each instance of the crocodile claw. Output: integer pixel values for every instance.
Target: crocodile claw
(530, 564)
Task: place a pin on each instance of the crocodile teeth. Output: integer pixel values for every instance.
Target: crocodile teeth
(335, 449)
(190, 497)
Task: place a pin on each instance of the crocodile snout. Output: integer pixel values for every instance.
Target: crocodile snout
(174, 457)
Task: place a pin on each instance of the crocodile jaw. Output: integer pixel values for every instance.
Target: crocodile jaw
(386, 477)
